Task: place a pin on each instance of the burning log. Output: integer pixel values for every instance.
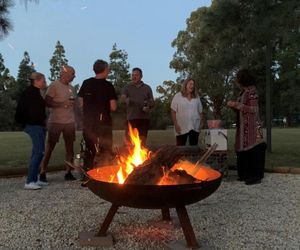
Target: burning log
(161, 161)
(177, 177)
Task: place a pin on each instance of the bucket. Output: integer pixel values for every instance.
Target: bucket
(214, 124)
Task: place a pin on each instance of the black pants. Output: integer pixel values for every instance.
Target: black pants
(142, 125)
(97, 138)
(193, 138)
(251, 163)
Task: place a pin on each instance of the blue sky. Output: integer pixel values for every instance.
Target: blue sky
(88, 29)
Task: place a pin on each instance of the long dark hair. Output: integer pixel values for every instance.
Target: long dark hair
(245, 78)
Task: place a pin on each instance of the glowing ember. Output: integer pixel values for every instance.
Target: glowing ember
(137, 155)
(205, 173)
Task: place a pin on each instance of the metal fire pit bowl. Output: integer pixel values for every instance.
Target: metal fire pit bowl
(152, 197)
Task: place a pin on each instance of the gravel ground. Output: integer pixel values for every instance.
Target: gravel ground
(236, 216)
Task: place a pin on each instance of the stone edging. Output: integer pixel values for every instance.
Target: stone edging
(283, 170)
(14, 172)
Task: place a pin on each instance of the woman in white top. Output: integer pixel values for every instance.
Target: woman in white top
(186, 111)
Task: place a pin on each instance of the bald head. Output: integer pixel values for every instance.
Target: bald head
(67, 74)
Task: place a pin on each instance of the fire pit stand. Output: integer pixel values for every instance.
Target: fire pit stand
(182, 215)
(161, 197)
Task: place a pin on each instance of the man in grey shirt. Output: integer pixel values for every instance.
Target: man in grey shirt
(139, 100)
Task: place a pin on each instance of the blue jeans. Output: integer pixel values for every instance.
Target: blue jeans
(37, 135)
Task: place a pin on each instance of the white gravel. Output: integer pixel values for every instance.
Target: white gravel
(236, 216)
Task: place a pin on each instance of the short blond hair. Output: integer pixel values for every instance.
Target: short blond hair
(66, 69)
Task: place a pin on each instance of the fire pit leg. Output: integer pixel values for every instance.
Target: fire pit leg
(108, 219)
(165, 214)
(187, 228)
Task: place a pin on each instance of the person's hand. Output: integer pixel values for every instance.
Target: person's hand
(68, 103)
(177, 129)
(231, 104)
(146, 109)
(201, 125)
(127, 101)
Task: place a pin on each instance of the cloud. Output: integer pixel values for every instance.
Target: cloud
(11, 46)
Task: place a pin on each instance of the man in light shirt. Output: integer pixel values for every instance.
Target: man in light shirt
(60, 98)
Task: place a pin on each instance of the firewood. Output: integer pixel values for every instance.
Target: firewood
(207, 154)
(177, 177)
(153, 169)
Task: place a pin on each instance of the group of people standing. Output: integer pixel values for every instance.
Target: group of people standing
(59, 97)
(96, 100)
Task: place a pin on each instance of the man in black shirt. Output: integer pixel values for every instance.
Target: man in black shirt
(32, 115)
(98, 98)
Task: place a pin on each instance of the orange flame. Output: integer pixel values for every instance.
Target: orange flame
(137, 155)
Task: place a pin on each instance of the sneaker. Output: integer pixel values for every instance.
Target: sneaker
(69, 177)
(32, 186)
(42, 183)
(43, 177)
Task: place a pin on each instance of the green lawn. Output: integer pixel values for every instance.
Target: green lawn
(15, 147)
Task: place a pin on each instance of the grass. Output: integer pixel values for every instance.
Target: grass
(15, 147)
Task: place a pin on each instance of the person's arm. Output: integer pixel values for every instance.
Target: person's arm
(201, 120)
(53, 104)
(113, 105)
(200, 110)
(176, 126)
(80, 102)
(20, 111)
(125, 99)
(249, 105)
(151, 100)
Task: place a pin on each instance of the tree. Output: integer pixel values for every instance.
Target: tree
(7, 104)
(207, 58)
(119, 68)
(5, 23)
(25, 70)
(160, 117)
(57, 61)
(119, 76)
(161, 112)
(232, 34)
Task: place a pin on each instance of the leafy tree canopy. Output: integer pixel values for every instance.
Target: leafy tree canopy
(57, 61)
(119, 68)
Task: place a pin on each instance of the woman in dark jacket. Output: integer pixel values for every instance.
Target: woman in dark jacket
(249, 145)
(31, 113)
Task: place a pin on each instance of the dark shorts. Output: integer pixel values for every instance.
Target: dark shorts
(55, 129)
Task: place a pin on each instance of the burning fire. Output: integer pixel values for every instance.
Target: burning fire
(137, 155)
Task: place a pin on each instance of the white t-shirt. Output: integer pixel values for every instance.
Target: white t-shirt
(187, 112)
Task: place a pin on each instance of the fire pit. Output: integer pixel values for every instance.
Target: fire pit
(103, 182)
(150, 196)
